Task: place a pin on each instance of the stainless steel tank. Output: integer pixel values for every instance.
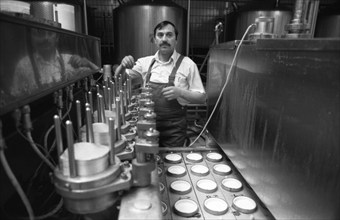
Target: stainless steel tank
(69, 15)
(328, 22)
(245, 17)
(134, 23)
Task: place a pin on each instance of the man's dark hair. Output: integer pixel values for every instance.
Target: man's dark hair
(163, 24)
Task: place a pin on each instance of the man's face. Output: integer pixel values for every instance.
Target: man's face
(165, 39)
(44, 41)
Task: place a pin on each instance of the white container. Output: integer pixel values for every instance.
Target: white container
(65, 15)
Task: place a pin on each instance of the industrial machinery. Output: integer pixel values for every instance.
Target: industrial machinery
(134, 22)
(269, 148)
(277, 118)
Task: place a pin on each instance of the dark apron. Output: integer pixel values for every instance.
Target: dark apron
(171, 119)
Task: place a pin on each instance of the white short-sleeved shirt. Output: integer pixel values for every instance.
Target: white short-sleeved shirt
(187, 75)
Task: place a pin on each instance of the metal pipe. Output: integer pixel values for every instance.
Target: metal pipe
(121, 98)
(58, 137)
(185, 149)
(126, 104)
(120, 84)
(312, 16)
(70, 142)
(126, 97)
(91, 101)
(102, 110)
(129, 89)
(105, 97)
(87, 131)
(112, 135)
(109, 98)
(89, 125)
(85, 17)
(113, 88)
(114, 94)
(99, 112)
(98, 89)
(188, 28)
(118, 119)
(78, 110)
(116, 82)
(298, 11)
(218, 30)
(140, 157)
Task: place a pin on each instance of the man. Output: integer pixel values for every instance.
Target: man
(43, 66)
(175, 81)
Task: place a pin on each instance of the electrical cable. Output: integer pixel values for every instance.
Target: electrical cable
(47, 215)
(52, 212)
(16, 184)
(225, 84)
(48, 152)
(45, 157)
(27, 124)
(99, 77)
(52, 126)
(35, 148)
(25, 137)
(12, 177)
(45, 145)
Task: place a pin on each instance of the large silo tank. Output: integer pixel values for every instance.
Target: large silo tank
(134, 22)
(240, 20)
(328, 22)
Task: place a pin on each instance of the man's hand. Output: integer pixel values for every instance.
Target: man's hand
(128, 62)
(77, 61)
(171, 92)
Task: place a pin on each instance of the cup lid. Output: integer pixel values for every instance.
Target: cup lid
(176, 171)
(214, 157)
(231, 184)
(244, 204)
(216, 206)
(194, 157)
(199, 170)
(173, 158)
(222, 169)
(180, 187)
(206, 185)
(186, 207)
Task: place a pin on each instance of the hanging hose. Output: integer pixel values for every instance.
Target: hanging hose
(52, 212)
(12, 177)
(27, 124)
(225, 84)
(35, 148)
(218, 30)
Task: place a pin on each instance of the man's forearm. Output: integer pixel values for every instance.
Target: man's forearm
(193, 97)
(120, 70)
(134, 76)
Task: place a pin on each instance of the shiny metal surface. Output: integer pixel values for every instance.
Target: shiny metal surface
(41, 9)
(304, 19)
(245, 18)
(328, 25)
(17, 48)
(264, 28)
(197, 196)
(93, 193)
(134, 23)
(278, 122)
(142, 202)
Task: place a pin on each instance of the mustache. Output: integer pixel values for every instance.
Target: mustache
(164, 44)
